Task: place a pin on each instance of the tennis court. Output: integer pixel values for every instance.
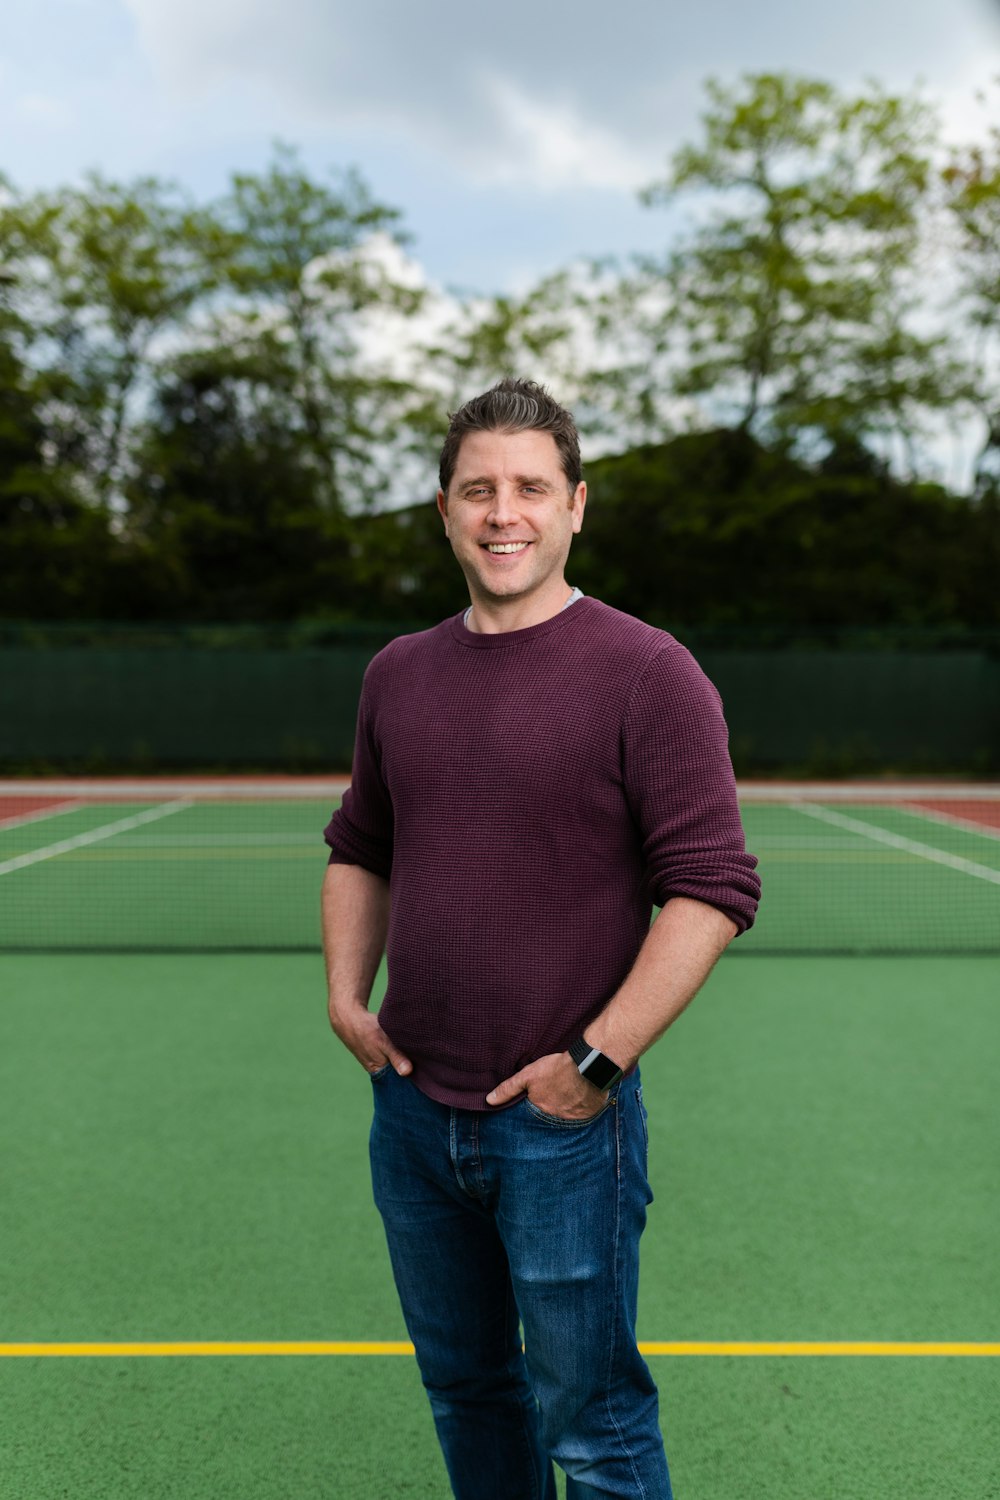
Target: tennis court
(197, 1299)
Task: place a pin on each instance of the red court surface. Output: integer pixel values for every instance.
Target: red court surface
(21, 809)
(984, 814)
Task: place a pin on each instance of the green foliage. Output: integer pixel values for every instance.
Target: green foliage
(505, 335)
(203, 408)
(533, 334)
(58, 556)
(972, 187)
(101, 272)
(60, 561)
(789, 301)
(187, 385)
(294, 258)
(225, 497)
(713, 529)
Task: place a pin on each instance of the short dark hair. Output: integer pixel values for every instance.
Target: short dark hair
(513, 405)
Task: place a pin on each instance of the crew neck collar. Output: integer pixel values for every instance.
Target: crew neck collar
(495, 640)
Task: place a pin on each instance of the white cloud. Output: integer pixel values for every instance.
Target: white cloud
(536, 95)
(548, 145)
(968, 103)
(323, 66)
(42, 109)
(190, 43)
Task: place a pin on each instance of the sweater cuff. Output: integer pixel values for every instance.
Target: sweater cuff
(350, 846)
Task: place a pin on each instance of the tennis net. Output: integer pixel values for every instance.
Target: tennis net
(234, 865)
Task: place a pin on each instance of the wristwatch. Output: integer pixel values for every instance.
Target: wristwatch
(594, 1065)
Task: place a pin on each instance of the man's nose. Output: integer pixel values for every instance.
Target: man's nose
(504, 509)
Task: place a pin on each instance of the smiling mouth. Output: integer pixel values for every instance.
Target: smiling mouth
(504, 549)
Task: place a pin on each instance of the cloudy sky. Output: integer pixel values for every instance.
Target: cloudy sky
(513, 137)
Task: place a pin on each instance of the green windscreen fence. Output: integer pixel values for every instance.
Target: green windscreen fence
(172, 699)
(232, 865)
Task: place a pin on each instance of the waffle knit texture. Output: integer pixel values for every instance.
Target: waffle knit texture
(529, 796)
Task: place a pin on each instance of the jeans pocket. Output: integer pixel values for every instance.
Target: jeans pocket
(380, 1073)
(547, 1119)
(643, 1117)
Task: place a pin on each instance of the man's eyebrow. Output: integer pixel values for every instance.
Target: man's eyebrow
(538, 480)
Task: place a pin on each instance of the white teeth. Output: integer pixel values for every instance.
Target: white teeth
(506, 546)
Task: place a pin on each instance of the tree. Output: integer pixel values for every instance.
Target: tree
(273, 426)
(303, 268)
(715, 529)
(788, 306)
(972, 188)
(225, 497)
(103, 271)
(57, 555)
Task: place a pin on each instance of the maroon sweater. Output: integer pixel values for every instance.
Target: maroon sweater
(529, 796)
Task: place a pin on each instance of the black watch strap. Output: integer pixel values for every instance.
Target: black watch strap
(594, 1065)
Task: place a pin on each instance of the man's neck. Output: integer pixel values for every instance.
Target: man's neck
(494, 617)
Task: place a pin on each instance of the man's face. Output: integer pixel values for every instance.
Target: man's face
(509, 491)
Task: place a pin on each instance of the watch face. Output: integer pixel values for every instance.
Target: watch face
(594, 1066)
(602, 1072)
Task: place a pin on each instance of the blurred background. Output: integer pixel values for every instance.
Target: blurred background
(249, 260)
(251, 255)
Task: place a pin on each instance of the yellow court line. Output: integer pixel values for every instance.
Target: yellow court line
(143, 1350)
(325, 1347)
(827, 1350)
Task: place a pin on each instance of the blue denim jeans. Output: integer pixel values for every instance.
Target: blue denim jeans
(498, 1221)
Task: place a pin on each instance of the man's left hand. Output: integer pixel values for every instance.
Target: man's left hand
(553, 1084)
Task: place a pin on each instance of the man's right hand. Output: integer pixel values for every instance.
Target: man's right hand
(360, 1032)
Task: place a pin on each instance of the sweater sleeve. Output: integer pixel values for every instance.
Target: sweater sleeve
(681, 790)
(360, 831)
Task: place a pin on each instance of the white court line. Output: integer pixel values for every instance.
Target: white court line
(221, 840)
(106, 831)
(225, 788)
(779, 842)
(897, 841)
(17, 820)
(950, 820)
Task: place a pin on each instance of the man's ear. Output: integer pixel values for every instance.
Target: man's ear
(577, 504)
(442, 505)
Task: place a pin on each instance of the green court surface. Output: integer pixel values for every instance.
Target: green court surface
(185, 1160)
(186, 866)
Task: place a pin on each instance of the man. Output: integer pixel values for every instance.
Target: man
(529, 778)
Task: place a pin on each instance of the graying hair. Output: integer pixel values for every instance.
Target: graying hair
(513, 406)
